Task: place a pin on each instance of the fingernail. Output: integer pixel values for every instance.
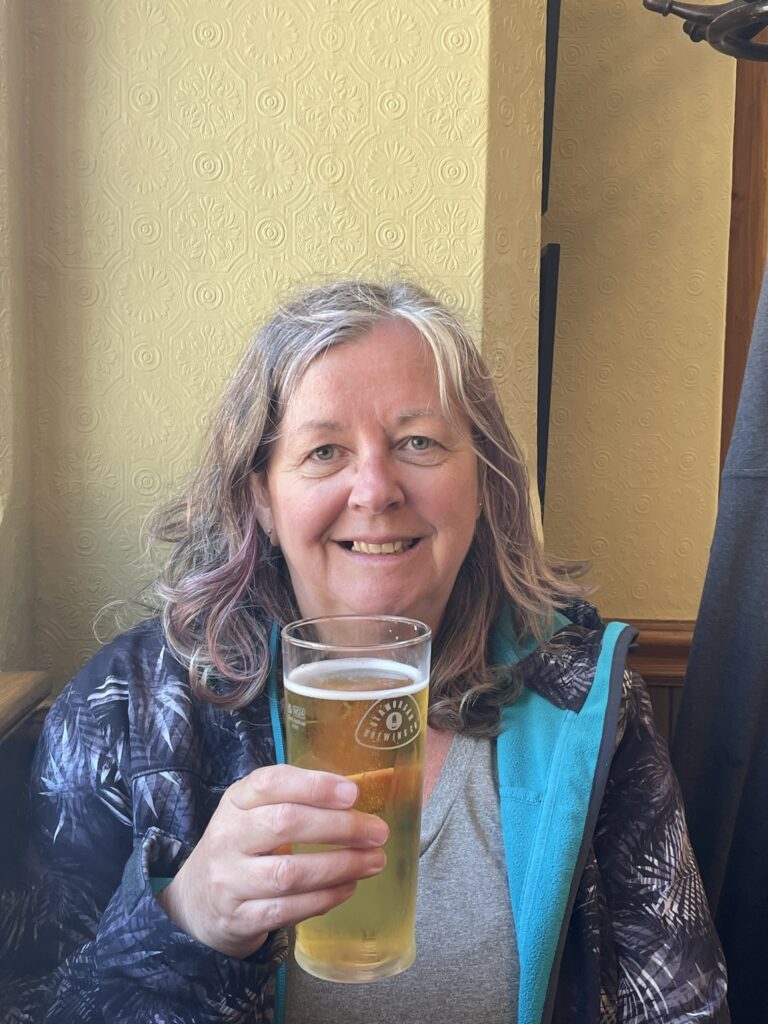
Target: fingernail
(375, 864)
(378, 832)
(346, 792)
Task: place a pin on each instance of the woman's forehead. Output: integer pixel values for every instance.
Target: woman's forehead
(356, 387)
(378, 365)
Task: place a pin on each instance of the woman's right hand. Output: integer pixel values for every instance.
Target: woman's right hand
(239, 884)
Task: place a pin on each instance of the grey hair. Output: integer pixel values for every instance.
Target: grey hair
(224, 584)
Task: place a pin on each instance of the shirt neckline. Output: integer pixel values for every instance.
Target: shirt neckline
(456, 767)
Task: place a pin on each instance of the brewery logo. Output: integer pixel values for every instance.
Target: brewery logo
(389, 723)
(296, 716)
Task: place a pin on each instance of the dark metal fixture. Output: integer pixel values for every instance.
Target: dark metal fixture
(729, 27)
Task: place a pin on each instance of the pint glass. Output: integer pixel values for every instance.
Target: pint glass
(356, 704)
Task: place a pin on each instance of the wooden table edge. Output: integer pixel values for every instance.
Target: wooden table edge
(20, 694)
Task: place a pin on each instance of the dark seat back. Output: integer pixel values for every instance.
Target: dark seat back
(16, 753)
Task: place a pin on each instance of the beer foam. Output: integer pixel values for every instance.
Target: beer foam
(307, 680)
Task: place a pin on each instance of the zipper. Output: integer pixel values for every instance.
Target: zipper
(280, 994)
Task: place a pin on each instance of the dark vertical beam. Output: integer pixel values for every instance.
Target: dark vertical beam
(549, 272)
(550, 81)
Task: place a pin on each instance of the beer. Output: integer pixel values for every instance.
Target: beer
(364, 718)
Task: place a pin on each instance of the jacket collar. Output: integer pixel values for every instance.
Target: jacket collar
(559, 668)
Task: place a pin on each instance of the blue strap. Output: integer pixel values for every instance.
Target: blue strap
(277, 736)
(158, 884)
(274, 699)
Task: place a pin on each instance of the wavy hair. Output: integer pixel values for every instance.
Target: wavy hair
(224, 583)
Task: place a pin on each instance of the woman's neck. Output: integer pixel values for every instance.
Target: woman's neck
(438, 744)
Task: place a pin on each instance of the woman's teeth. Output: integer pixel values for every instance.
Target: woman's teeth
(390, 548)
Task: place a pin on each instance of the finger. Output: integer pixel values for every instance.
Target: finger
(284, 783)
(257, 916)
(268, 877)
(266, 829)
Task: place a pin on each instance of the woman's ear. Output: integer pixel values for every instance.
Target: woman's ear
(260, 493)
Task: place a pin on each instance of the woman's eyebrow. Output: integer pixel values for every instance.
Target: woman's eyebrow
(317, 426)
(418, 414)
(336, 427)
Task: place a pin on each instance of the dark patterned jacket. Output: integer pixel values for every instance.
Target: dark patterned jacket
(129, 770)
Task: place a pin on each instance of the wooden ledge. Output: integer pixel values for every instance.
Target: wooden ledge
(20, 694)
(663, 647)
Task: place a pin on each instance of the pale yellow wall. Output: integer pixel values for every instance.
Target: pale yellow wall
(640, 203)
(188, 161)
(513, 211)
(185, 164)
(17, 571)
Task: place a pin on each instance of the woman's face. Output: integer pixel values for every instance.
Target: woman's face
(370, 491)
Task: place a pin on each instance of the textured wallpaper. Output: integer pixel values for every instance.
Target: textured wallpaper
(512, 236)
(186, 162)
(640, 203)
(17, 574)
(189, 161)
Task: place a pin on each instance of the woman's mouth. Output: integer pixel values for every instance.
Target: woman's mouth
(390, 547)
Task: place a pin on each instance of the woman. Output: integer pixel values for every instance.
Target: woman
(360, 463)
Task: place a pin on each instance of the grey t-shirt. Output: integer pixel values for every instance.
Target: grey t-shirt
(466, 964)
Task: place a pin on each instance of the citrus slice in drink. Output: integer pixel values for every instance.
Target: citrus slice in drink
(375, 789)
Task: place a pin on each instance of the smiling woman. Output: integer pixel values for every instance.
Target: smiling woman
(359, 463)
(378, 424)
(374, 500)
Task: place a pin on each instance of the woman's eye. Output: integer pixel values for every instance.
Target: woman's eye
(324, 453)
(420, 444)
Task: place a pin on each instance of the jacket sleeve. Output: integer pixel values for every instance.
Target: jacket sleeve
(670, 966)
(83, 938)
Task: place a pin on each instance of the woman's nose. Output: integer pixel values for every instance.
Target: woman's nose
(375, 487)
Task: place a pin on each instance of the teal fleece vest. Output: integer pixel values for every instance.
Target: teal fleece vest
(552, 765)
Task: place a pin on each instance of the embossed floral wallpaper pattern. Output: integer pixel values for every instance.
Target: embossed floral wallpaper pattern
(186, 161)
(169, 167)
